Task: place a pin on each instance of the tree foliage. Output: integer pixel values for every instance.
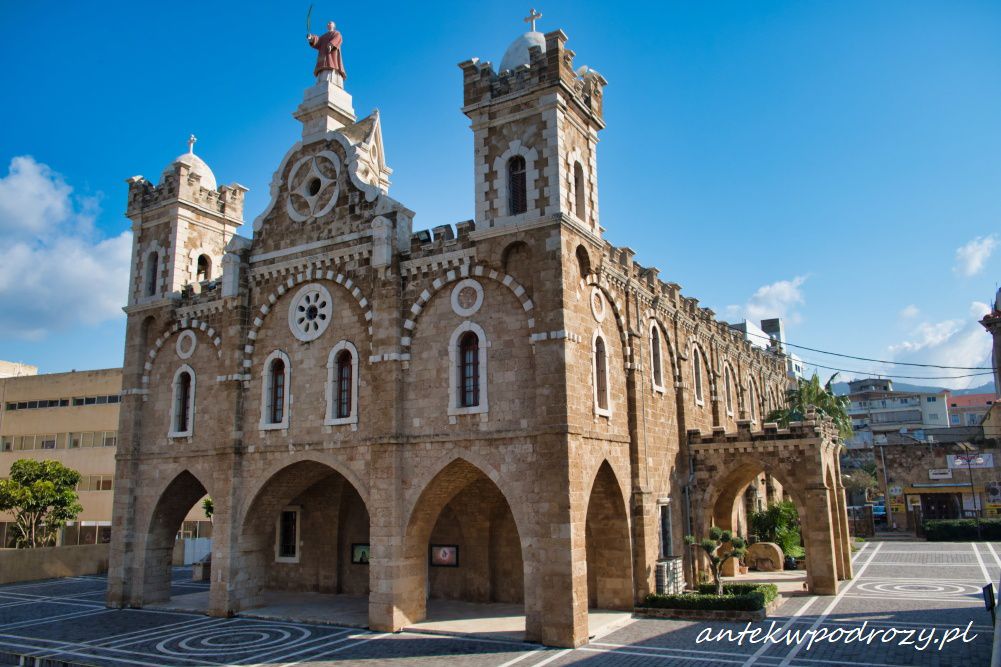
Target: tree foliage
(778, 523)
(42, 497)
(810, 393)
(713, 546)
(860, 481)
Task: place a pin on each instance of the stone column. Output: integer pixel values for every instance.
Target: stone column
(396, 577)
(839, 538)
(842, 515)
(820, 542)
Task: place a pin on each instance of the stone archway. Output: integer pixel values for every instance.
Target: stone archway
(608, 544)
(462, 508)
(306, 530)
(803, 459)
(177, 499)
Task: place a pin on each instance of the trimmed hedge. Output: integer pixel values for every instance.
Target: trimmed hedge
(961, 530)
(736, 597)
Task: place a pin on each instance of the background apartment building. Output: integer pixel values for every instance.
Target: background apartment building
(876, 409)
(969, 409)
(72, 418)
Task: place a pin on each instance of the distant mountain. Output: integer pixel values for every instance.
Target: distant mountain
(842, 388)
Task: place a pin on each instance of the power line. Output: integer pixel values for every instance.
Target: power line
(877, 361)
(899, 377)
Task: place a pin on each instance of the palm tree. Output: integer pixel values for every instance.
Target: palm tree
(810, 393)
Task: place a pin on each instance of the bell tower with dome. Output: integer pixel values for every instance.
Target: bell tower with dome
(535, 123)
(180, 229)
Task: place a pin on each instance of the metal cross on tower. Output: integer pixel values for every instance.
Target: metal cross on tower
(532, 17)
(191, 144)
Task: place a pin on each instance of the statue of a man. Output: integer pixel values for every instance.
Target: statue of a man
(329, 64)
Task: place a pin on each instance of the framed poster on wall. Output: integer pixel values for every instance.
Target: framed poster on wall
(444, 555)
(360, 554)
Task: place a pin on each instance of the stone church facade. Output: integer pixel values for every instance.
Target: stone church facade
(503, 411)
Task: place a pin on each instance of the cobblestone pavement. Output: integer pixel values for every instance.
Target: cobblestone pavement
(911, 593)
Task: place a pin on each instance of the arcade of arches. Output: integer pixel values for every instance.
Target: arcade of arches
(803, 459)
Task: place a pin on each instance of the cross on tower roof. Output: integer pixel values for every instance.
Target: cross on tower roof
(191, 144)
(532, 17)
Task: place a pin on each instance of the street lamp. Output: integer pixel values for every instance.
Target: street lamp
(968, 457)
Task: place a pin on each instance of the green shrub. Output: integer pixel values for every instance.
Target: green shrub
(961, 530)
(736, 597)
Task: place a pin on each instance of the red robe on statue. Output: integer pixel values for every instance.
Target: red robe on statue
(329, 56)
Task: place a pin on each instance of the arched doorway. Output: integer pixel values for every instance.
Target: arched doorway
(608, 545)
(304, 543)
(168, 539)
(727, 508)
(463, 552)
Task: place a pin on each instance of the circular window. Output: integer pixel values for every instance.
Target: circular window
(597, 304)
(186, 343)
(467, 297)
(310, 312)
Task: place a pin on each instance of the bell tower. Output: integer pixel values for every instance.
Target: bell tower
(180, 228)
(535, 123)
(992, 322)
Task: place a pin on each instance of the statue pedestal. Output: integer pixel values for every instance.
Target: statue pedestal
(325, 107)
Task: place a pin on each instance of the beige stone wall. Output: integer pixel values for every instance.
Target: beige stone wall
(18, 565)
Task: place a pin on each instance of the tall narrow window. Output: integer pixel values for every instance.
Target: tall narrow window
(204, 268)
(578, 190)
(287, 536)
(727, 386)
(183, 396)
(276, 391)
(152, 264)
(517, 187)
(181, 410)
(697, 370)
(344, 381)
(666, 530)
(751, 400)
(658, 372)
(469, 370)
(600, 373)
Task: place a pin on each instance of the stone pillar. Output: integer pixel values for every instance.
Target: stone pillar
(842, 516)
(820, 542)
(646, 541)
(397, 578)
(839, 538)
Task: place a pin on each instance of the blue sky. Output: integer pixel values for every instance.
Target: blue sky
(833, 163)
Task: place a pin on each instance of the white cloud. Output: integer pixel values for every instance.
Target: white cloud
(955, 342)
(779, 299)
(54, 273)
(910, 312)
(970, 258)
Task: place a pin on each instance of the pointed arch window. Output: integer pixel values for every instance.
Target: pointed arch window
(152, 268)
(275, 398)
(517, 186)
(182, 409)
(342, 385)
(697, 372)
(204, 269)
(579, 190)
(656, 360)
(752, 399)
(600, 376)
(468, 370)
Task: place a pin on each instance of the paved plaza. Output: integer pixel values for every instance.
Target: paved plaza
(904, 586)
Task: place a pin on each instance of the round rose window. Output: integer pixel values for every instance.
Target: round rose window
(310, 312)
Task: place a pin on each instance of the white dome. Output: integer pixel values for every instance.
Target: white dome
(198, 166)
(517, 53)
